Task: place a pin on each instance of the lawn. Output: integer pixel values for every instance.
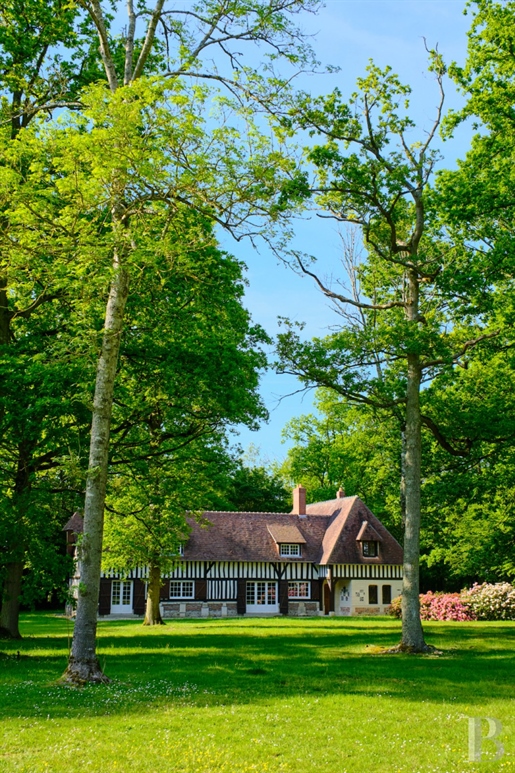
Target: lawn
(299, 696)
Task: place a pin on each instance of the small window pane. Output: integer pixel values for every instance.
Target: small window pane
(298, 590)
(290, 549)
(126, 593)
(251, 593)
(116, 592)
(372, 594)
(387, 594)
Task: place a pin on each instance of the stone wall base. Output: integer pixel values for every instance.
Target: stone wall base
(368, 611)
(303, 608)
(170, 609)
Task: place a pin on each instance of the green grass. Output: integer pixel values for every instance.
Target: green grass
(301, 696)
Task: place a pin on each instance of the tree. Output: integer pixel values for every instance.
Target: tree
(172, 406)
(217, 25)
(346, 445)
(45, 59)
(412, 309)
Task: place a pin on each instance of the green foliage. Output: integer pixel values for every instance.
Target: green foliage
(348, 446)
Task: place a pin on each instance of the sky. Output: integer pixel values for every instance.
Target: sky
(346, 33)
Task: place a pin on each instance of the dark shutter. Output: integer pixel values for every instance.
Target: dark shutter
(104, 597)
(241, 603)
(387, 594)
(283, 597)
(164, 591)
(320, 593)
(315, 590)
(372, 594)
(139, 597)
(201, 590)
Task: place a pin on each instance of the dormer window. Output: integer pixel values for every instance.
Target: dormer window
(370, 549)
(289, 549)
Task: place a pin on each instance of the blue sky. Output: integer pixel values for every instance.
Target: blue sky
(348, 33)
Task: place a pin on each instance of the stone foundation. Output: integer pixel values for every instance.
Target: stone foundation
(368, 611)
(170, 609)
(303, 608)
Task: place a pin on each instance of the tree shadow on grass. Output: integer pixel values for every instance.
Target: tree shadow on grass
(203, 663)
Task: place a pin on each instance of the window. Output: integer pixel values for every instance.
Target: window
(287, 549)
(181, 589)
(387, 594)
(369, 549)
(180, 550)
(372, 594)
(121, 596)
(261, 593)
(298, 590)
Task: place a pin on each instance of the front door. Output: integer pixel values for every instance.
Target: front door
(121, 597)
(262, 598)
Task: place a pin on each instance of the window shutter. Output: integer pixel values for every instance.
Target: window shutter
(164, 591)
(104, 597)
(315, 590)
(139, 597)
(201, 590)
(241, 603)
(283, 597)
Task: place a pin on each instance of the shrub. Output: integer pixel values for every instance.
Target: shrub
(491, 602)
(438, 606)
(395, 607)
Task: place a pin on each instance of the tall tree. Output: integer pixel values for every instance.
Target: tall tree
(172, 404)
(349, 446)
(413, 298)
(207, 27)
(45, 59)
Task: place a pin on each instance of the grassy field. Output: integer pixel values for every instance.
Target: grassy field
(299, 696)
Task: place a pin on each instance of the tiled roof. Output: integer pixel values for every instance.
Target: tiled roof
(285, 532)
(367, 533)
(340, 544)
(75, 524)
(247, 536)
(328, 533)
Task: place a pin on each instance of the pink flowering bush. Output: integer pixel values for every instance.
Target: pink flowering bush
(491, 602)
(444, 606)
(438, 606)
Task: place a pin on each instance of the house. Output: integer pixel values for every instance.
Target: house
(328, 558)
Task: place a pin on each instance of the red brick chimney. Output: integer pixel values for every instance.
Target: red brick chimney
(340, 493)
(299, 500)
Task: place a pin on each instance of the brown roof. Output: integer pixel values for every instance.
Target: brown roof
(367, 533)
(285, 532)
(75, 524)
(247, 536)
(340, 541)
(328, 533)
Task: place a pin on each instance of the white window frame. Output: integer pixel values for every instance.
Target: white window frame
(262, 596)
(124, 594)
(181, 585)
(291, 549)
(295, 587)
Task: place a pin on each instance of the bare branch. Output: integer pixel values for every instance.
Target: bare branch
(149, 39)
(466, 346)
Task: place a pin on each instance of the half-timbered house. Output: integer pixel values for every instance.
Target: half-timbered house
(328, 558)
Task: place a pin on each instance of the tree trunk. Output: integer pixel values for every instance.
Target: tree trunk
(9, 614)
(412, 634)
(152, 611)
(83, 665)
